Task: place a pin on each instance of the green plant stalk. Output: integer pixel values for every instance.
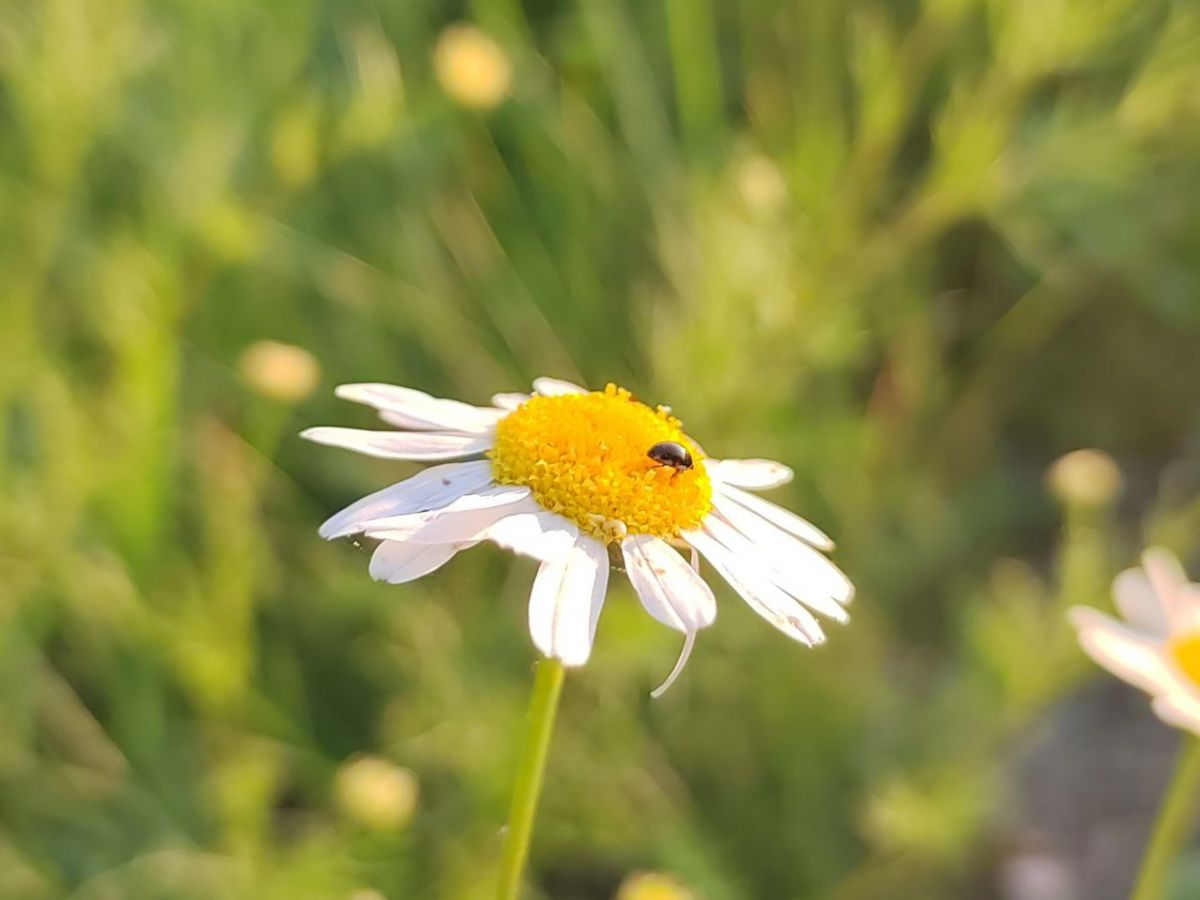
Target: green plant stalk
(1175, 818)
(543, 705)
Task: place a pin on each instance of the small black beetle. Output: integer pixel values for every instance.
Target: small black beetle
(669, 453)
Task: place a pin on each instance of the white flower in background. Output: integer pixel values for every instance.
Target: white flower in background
(565, 476)
(1157, 647)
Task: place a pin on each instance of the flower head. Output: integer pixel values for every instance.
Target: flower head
(1157, 647)
(585, 457)
(564, 476)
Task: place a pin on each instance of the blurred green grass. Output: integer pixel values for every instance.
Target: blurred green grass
(916, 250)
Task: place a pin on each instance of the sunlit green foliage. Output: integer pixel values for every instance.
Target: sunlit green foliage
(915, 250)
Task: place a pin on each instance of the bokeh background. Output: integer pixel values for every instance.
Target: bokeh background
(917, 250)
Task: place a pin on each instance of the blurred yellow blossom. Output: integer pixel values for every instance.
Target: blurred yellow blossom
(375, 793)
(471, 67)
(280, 371)
(295, 142)
(231, 231)
(761, 184)
(378, 97)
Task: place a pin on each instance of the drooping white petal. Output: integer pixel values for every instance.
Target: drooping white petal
(794, 565)
(398, 562)
(416, 446)
(462, 521)
(1128, 654)
(409, 408)
(759, 592)
(1180, 709)
(754, 474)
(432, 488)
(784, 518)
(556, 387)
(508, 402)
(540, 535)
(1139, 603)
(689, 641)
(669, 588)
(565, 603)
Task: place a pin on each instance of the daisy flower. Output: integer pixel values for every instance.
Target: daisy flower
(577, 479)
(1157, 646)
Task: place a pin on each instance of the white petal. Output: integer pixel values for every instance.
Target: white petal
(689, 641)
(1188, 602)
(785, 519)
(398, 562)
(795, 559)
(428, 445)
(556, 387)
(508, 402)
(541, 535)
(1128, 654)
(763, 597)
(1139, 603)
(408, 408)
(566, 599)
(755, 474)
(1179, 709)
(463, 521)
(1170, 583)
(794, 565)
(1163, 569)
(669, 588)
(431, 489)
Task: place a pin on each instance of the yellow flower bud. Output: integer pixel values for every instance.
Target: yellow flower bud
(652, 886)
(1085, 478)
(376, 794)
(471, 67)
(280, 371)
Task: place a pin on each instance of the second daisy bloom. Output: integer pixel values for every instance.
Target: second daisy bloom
(1157, 646)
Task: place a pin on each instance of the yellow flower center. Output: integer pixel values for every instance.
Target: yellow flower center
(1185, 650)
(585, 457)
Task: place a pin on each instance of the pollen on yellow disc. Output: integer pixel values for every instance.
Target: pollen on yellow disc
(584, 456)
(1185, 650)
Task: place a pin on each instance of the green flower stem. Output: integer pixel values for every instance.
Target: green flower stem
(543, 705)
(1175, 818)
